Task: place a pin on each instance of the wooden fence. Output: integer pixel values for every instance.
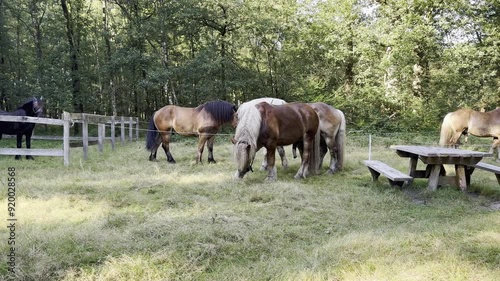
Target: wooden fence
(67, 120)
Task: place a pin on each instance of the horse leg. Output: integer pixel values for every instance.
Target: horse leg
(454, 141)
(152, 155)
(210, 146)
(306, 154)
(19, 145)
(201, 145)
(496, 145)
(329, 144)
(165, 136)
(281, 152)
(28, 144)
(271, 167)
(263, 166)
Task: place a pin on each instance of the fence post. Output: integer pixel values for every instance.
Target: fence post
(137, 128)
(130, 129)
(112, 132)
(122, 126)
(66, 138)
(85, 139)
(100, 136)
(370, 147)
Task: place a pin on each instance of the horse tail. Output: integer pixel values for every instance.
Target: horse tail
(446, 131)
(152, 135)
(316, 153)
(340, 141)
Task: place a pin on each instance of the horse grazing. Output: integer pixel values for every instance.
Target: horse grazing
(332, 127)
(273, 101)
(203, 121)
(467, 121)
(265, 125)
(32, 108)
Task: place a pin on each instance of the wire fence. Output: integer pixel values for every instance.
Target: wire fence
(355, 138)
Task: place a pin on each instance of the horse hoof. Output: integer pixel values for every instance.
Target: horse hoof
(298, 177)
(212, 161)
(30, 157)
(18, 157)
(171, 161)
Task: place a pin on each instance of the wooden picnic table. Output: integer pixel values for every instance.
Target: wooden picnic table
(435, 157)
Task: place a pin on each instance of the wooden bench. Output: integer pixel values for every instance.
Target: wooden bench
(395, 177)
(488, 167)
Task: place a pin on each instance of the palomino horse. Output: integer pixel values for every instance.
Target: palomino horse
(203, 121)
(265, 125)
(32, 108)
(332, 129)
(467, 121)
(252, 103)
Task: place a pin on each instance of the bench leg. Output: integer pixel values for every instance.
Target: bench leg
(461, 177)
(434, 177)
(374, 173)
(396, 183)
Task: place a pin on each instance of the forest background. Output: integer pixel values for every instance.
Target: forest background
(388, 64)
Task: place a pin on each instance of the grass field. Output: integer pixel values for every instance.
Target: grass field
(118, 216)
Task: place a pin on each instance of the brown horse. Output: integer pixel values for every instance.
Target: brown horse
(203, 121)
(265, 125)
(467, 121)
(332, 127)
(273, 101)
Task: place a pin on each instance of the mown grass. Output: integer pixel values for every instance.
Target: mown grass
(118, 216)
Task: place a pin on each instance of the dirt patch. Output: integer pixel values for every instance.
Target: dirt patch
(495, 206)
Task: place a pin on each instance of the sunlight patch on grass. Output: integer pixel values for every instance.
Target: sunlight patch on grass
(126, 268)
(57, 209)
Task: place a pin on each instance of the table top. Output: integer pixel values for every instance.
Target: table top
(436, 151)
(440, 155)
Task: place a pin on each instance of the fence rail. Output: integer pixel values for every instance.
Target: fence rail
(67, 120)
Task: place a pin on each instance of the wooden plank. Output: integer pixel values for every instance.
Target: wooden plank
(89, 118)
(32, 152)
(434, 151)
(36, 120)
(487, 167)
(387, 170)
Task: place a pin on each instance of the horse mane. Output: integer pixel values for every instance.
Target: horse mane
(248, 129)
(221, 111)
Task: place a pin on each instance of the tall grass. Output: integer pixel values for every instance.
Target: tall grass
(118, 216)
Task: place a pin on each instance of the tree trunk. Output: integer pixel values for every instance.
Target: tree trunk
(111, 75)
(73, 51)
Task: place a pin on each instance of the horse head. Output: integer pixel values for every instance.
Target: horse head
(244, 155)
(38, 106)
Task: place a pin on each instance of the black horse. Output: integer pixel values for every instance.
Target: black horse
(32, 108)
